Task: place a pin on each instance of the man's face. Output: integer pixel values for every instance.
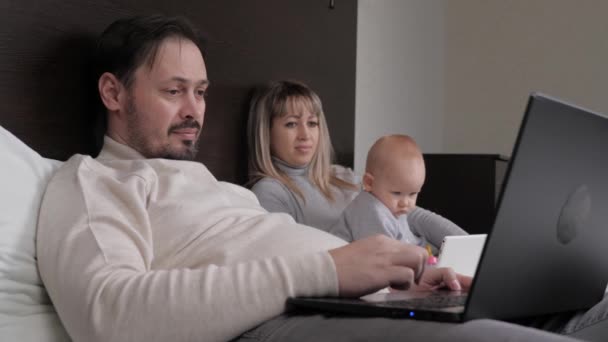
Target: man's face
(165, 106)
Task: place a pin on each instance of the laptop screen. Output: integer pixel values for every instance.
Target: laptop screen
(545, 251)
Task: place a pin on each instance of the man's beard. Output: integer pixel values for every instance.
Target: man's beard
(192, 145)
(143, 144)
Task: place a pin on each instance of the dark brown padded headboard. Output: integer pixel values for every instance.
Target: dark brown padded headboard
(45, 47)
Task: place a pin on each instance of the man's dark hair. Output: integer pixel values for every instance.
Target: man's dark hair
(124, 46)
(128, 43)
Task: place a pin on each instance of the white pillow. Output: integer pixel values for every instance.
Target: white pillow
(26, 312)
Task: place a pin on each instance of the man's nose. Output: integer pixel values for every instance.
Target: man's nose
(193, 108)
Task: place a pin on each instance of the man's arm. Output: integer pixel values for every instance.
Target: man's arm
(96, 258)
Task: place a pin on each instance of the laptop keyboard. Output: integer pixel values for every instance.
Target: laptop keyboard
(430, 302)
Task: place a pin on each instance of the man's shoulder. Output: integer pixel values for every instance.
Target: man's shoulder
(87, 166)
(72, 165)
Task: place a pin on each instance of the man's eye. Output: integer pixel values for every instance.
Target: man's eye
(172, 91)
(202, 92)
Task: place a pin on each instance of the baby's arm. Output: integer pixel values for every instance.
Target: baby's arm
(431, 226)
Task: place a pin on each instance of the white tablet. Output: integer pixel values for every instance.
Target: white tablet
(461, 252)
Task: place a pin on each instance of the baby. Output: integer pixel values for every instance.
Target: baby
(394, 175)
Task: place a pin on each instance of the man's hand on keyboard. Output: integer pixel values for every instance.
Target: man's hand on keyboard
(442, 278)
(375, 262)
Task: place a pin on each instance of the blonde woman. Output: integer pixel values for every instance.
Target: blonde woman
(290, 157)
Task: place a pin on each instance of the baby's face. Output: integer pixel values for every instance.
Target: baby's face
(398, 187)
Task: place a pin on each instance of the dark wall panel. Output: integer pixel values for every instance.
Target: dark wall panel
(45, 51)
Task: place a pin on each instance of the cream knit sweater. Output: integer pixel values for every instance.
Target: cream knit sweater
(134, 249)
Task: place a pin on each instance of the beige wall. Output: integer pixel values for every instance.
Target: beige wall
(456, 73)
(400, 73)
(498, 51)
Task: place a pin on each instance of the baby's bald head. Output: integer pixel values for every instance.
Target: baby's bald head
(395, 172)
(392, 149)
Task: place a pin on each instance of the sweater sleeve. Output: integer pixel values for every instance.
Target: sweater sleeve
(432, 227)
(274, 196)
(96, 257)
(241, 191)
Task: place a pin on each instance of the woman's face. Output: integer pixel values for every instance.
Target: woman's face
(294, 136)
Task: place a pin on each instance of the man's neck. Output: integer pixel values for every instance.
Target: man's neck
(113, 149)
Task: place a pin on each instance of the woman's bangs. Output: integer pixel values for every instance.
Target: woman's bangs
(298, 105)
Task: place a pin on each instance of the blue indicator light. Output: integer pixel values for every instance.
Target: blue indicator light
(411, 313)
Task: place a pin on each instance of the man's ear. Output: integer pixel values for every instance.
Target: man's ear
(368, 181)
(110, 91)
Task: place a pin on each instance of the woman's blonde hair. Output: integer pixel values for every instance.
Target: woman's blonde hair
(275, 100)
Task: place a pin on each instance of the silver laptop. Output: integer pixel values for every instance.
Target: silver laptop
(545, 251)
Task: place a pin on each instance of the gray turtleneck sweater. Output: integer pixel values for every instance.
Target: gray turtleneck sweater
(317, 211)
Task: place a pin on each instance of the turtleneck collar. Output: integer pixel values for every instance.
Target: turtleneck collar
(112, 149)
(290, 170)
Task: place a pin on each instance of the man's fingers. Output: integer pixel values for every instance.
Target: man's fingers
(400, 277)
(369, 264)
(465, 281)
(450, 279)
(412, 257)
(456, 281)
